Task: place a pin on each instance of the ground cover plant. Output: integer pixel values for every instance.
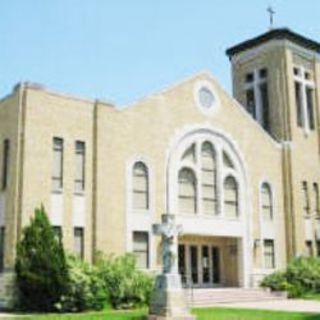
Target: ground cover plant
(301, 278)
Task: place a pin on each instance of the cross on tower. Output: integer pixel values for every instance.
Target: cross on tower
(271, 14)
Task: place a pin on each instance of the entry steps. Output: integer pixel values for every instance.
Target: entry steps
(208, 297)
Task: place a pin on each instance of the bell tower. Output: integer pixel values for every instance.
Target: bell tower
(276, 79)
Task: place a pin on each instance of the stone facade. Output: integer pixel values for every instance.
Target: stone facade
(157, 132)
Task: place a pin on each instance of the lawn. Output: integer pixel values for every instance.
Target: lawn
(241, 314)
(203, 314)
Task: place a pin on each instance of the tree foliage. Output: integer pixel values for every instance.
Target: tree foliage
(41, 268)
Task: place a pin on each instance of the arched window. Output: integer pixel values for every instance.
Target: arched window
(200, 185)
(230, 187)
(266, 202)
(140, 186)
(208, 179)
(187, 191)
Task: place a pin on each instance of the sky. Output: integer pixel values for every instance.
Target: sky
(123, 50)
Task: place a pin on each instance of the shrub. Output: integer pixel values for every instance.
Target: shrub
(126, 286)
(41, 268)
(305, 273)
(276, 281)
(86, 290)
(301, 276)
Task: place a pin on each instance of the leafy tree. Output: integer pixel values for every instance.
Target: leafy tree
(41, 268)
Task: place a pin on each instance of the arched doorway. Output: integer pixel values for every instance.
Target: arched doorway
(207, 190)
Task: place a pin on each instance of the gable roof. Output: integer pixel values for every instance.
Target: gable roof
(278, 34)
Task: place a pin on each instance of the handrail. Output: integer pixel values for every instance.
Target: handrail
(188, 284)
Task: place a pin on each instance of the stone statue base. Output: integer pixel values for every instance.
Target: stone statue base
(168, 301)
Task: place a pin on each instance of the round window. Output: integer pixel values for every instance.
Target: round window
(206, 98)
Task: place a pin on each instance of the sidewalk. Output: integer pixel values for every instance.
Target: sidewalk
(294, 305)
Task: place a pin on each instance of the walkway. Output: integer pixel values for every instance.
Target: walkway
(294, 305)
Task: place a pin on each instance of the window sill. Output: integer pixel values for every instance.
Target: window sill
(57, 191)
(209, 216)
(141, 212)
(79, 193)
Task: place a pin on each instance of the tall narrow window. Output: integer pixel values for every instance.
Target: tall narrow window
(57, 230)
(310, 109)
(208, 169)
(80, 151)
(230, 197)
(141, 249)
(140, 186)
(318, 248)
(266, 202)
(309, 248)
(251, 104)
(265, 106)
(304, 94)
(5, 168)
(79, 242)
(2, 247)
(187, 191)
(269, 257)
(257, 99)
(57, 174)
(306, 206)
(316, 199)
(298, 95)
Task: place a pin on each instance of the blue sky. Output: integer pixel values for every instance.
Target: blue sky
(123, 50)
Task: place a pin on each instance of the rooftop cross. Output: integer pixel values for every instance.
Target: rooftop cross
(271, 14)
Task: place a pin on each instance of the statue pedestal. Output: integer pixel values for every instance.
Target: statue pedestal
(168, 301)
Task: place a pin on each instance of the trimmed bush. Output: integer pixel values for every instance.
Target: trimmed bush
(126, 286)
(86, 290)
(302, 276)
(41, 268)
(276, 281)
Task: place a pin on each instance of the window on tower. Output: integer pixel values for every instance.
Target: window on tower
(257, 97)
(304, 96)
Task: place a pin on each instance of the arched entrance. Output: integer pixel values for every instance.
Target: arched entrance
(207, 190)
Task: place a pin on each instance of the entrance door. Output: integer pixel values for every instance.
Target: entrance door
(194, 264)
(215, 265)
(205, 265)
(182, 262)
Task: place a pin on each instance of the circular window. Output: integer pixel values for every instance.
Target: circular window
(206, 98)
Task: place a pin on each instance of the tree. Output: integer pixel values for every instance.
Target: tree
(41, 267)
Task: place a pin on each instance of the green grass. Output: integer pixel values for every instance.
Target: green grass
(203, 314)
(243, 314)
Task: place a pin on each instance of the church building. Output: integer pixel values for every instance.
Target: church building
(241, 174)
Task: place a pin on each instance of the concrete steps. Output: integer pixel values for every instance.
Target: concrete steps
(209, 297)
(6, 290)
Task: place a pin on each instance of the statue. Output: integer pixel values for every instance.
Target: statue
(168, 301)
(169, 232)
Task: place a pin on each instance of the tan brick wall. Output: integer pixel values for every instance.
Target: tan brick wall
(302, 163)
(9, 115)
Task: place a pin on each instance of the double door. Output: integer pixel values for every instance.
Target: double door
(199, 264)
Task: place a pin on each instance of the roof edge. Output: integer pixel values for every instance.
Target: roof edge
(278, 34)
